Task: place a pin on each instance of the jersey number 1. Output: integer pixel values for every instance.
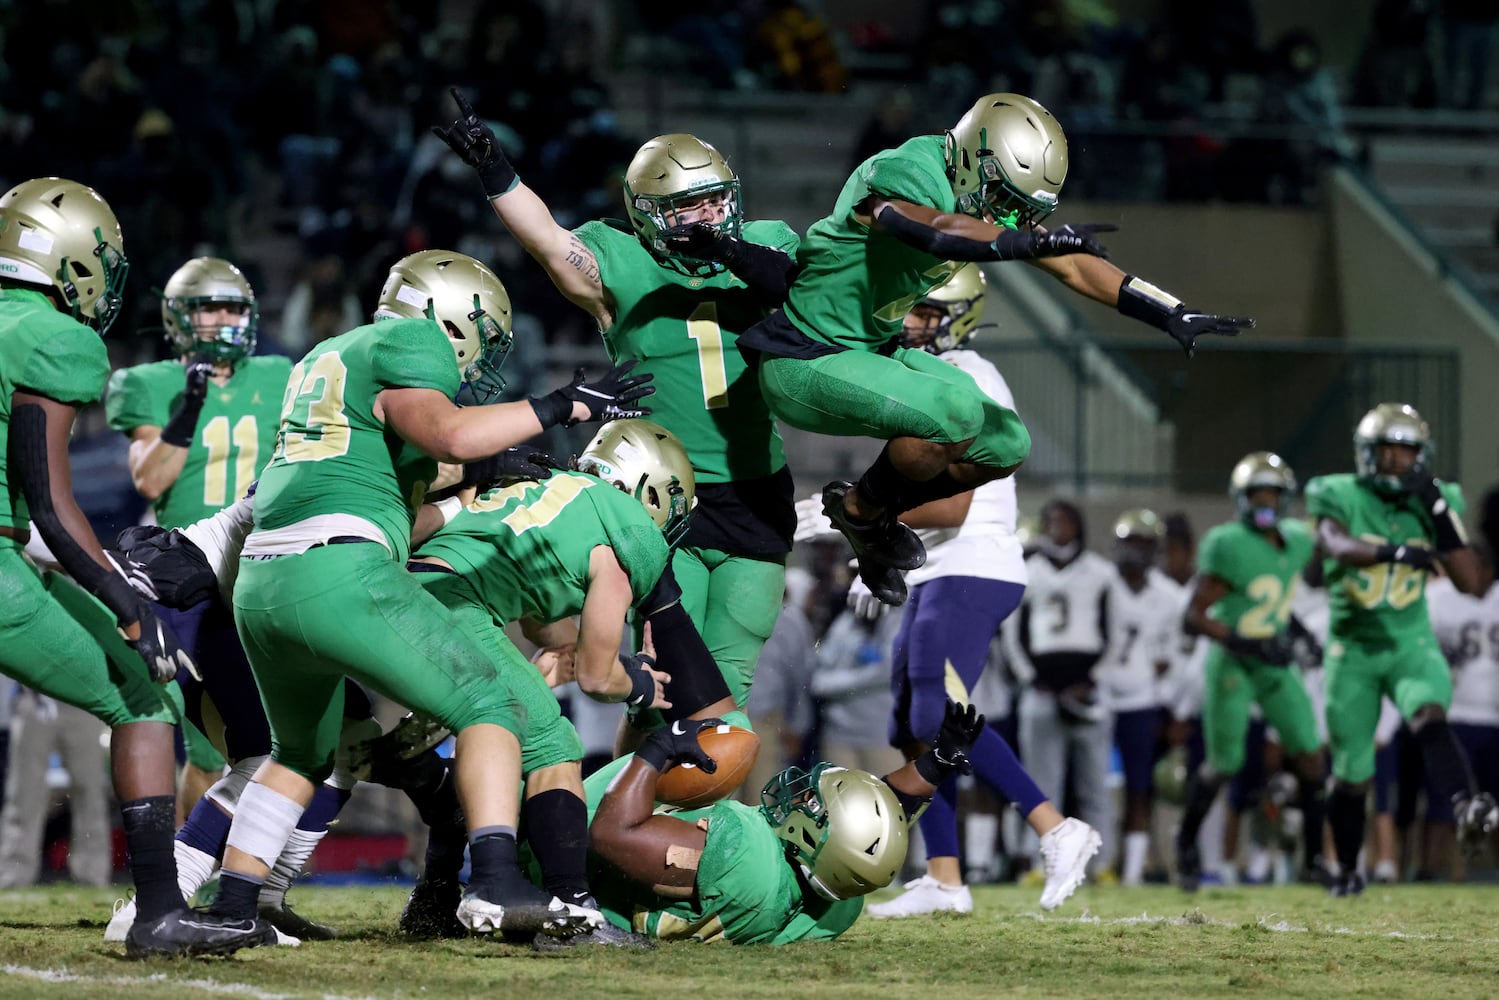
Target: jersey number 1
(217, 438)
(702, 327)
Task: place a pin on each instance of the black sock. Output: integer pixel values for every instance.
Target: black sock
(1313, 795)
(445, 848)
(1447, 767)
(557, 822)
(881, 485)
(496, 862)
(1201, 791)
(239, 895)
(1345, 811)
(939, 487)
(428, 782)
(149, 827)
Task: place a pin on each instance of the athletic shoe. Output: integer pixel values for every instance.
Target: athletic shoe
(924, 895)
(120, 922)
(1065, 852)
(292, 924)
(1385, 873)
(1476, 819)
(523, 909)
(887, 584)
(193, 932)
(605, 936)
(884, 541)
(1317, 873)
(1351, 884)
(432, 910)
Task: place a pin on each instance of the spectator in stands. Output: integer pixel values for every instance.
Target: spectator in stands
(1395, 68)
(1467, 43)
(794, 50)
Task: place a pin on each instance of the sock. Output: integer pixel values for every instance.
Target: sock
(1313, 798)
(981, 832)
(1447, 768)
(1202, 789)
(939, 487)
(326, 803)
(1345, 811)
(194, 868)
(237, 895)
(206, 829)
(428, 782)
(939, 821)
(445, 850)
(995, 764)
(495, 858)
(148, 826)
(557, 825)
(1136, 846)
(881, 485)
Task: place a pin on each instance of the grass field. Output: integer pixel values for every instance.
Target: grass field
(1408, 941)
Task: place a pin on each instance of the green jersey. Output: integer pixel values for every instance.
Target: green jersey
(684, 329)
(333, 456)
(1384, 605)
(1261, 577)
(747, 890)
(48, 353)
(235, 434)
(856, 284)
(521, 572)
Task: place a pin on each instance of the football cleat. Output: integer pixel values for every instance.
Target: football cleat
(1349, 884)
(193, 932)
(525, 910)
(885, 541)
(290, 923)
(1317, 873)
(120, 921)
(603, 936)
(1065, 852)
(413, 736)
(1188, 864)
(1385, 873)
(887, 584)
(1476, 819)
(432, 910)
(924, 895)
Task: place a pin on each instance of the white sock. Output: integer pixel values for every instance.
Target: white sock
(982, 831)
(194, 867)
(1136, 846)
(288, 866)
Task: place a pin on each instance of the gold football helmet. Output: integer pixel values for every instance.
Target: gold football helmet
(667, 172)
(1137, 538)
(467, 300)
(1261, 470)
(1389, 423)
(61, 235)
(646, 461)
(1007, 157)
(960, 300)
(196, 287)
(844, 829)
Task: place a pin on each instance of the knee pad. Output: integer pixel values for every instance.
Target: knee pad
(225, 793)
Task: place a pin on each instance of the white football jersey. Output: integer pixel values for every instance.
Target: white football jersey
(1143, 626)
(985, 546)
(1061, 612)
(1468, 629)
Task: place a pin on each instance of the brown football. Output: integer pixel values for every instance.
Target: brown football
(732, 747)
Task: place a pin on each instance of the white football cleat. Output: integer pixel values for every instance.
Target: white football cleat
(924, 895)
(119, 924)
(1065, 851)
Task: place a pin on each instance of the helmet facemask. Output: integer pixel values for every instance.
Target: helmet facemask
(959, 306)
(206, 284)
(670, 176)
(112, 270)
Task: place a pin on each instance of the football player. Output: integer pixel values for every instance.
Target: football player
(323, 593)
(1144, 612)
(62, 271)
(973, 579)
(796, 869)
(830, 361)
(680, 317)
(1247, 577)
(1382, 531)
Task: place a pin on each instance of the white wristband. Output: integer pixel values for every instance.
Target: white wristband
(448, 508)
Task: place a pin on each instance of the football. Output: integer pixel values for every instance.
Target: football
(688, 786)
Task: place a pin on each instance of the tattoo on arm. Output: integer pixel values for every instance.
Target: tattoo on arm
(581, 259)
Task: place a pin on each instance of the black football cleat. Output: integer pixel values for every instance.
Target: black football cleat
(293, 924)
(885, 541)
(607, 936)
(1317, 873)
(1348, 885)
(888, 585)
(1188, 864)
(432, 910)
(1476, 819)
(194, 932)
(523, 909)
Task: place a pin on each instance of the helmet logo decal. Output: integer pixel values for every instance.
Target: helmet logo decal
(412, 297)
(35, 239)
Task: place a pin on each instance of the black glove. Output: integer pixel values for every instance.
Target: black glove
(476, 145)
(960, 729)
(1275, 650)
(1185, 326)
(642, 684)
(677, 744)
(183, 424)
(159, 647)
(513, 465)
(1306, 649)
(1418, 556)
(1028, 244)
(607, 397)
(700, 241)
(1420, 483)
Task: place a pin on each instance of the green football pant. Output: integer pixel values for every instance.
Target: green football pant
(909, 394)
(546, 737)
(58, 639)
(734, 601)
(1413, 675)
(308, 620)
(1232, 685)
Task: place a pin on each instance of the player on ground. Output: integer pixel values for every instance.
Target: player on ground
(973, 578)
(1248, 571)
(795, 869)
(62, 269)
(323, 591)
(1383, 530)
(680, 317)
(904, 221)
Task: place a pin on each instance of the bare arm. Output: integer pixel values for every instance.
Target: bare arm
(1466, 571)
(1094, 277)
(600, 674)
(562, 632)
(1208, 591)
(949, 512)
(566, 260)
(659, 852)
(450, 433)
(1335, 541)
(154, 464)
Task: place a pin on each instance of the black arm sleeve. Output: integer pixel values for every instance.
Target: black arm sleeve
(28, 460)
(696, 681)
(1008, 244)
(912, 804)
(767, 271)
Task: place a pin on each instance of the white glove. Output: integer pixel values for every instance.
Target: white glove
(811, 522)
(864, 603)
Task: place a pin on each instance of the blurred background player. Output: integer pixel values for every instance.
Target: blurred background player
(973, 578)
(680, 317)
(1248, 570)
(1383, 529)
(1054, 643)
(1142, 624)
(780, 703)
